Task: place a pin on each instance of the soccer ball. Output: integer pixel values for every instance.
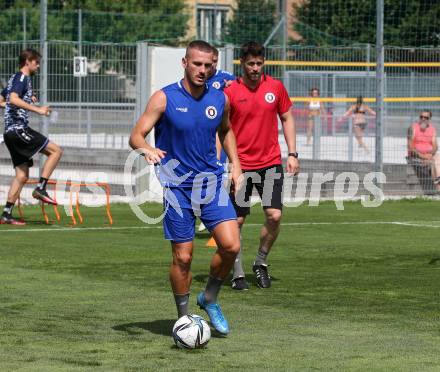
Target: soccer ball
(191, 332)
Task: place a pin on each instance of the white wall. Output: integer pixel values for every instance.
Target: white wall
(166, 66)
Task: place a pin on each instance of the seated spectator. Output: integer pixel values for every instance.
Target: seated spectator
(422, 146)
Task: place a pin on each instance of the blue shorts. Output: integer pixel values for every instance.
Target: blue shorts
(182, 205)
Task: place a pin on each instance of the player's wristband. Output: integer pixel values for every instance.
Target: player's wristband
(294, 154)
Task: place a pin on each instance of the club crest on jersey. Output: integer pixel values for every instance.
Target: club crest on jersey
(211, 112)
(269, 97)
(216, 85)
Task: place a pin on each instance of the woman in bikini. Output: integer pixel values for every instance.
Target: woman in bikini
(315, 108)
(359, 112)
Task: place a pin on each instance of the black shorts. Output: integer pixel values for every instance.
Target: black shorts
(269, 184)
(23, 144)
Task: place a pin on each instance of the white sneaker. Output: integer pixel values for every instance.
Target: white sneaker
(201, 227)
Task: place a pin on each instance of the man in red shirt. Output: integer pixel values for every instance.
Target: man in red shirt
(256, 103)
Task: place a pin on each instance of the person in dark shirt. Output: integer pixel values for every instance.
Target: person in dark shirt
(3, 97)
(22, 141)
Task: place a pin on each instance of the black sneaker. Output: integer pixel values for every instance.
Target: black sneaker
(263, 277)
(240, 284)
(41, 194)
(7, 219)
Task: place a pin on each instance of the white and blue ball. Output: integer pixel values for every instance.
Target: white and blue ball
(191, 332)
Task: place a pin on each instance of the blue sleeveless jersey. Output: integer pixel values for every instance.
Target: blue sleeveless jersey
(186, 131)
(218, 79)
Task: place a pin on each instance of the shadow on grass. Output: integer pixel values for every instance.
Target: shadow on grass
(161, 327)
(39, 222)
(29, 222)
(200, 278)
(203, 235)
(250, 278)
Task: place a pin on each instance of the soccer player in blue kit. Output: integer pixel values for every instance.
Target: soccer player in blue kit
(218, 79)
(186, 117)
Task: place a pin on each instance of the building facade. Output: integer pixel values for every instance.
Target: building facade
(209, 17)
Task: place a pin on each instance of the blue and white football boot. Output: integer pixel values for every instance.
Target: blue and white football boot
(215, 314)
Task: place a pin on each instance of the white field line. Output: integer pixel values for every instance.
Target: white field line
(420, 224)
(429, 224)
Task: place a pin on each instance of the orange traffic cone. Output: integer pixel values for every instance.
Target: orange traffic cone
(211, 243)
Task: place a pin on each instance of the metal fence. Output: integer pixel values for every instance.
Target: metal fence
(164, 24)
(97, 112)
(342, 74)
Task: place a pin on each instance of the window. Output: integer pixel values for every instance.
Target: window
(211, 21)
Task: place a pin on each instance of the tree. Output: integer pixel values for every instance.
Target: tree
(251, 21)
(116, 21)
(344, 22)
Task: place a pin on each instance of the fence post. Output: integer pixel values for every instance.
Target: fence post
(350, 140)
(334, 105)
(142, 95)
(43, 72)
(411, 88)
(24, 16)
(89, 128)
(380, 87)
(367, 69)
(229, 58)
(317, 137)
(80, 77)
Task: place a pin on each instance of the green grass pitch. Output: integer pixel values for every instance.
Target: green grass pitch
(352, 290)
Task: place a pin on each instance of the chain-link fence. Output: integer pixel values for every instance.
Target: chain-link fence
(162, 23)
(97, 112)
(328, 137)
(279, 22)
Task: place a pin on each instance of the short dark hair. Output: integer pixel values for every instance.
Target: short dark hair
(429, 111)
(359, 100)
(28, 55)
(253, 49)
(215, 51)
(314, 89)
(199, 45)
